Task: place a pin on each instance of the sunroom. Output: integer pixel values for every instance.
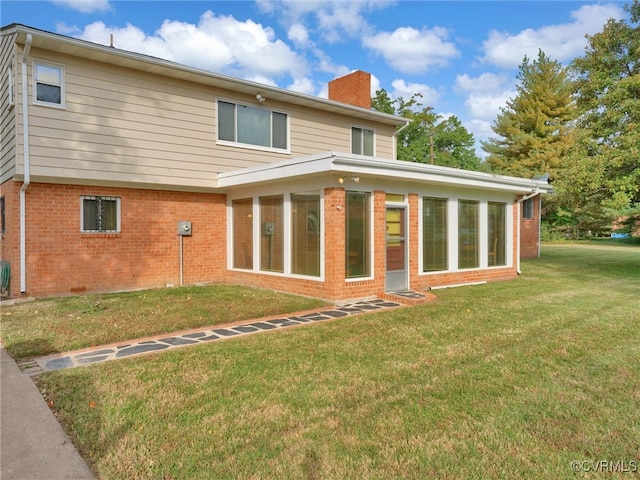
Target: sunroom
(343, 226)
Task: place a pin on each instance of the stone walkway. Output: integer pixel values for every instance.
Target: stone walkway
(207, 334)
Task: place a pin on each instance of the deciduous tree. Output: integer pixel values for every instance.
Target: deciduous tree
(603, 168)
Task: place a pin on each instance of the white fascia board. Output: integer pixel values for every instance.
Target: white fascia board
(303, 166)
(425, 173)
(328, 162)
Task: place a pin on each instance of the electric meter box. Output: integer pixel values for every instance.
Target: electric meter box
(184, 228)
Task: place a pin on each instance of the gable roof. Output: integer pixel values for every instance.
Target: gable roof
(110, 55)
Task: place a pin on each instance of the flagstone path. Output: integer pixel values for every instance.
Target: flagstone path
(207, 334)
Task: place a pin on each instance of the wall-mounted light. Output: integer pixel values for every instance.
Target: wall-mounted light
(350, 177)
(260, 98)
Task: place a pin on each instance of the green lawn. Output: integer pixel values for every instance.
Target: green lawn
(70, 323)
(512, 379)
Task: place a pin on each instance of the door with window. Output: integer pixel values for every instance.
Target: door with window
(396, 247)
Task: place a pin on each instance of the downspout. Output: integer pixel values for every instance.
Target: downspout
(27, 178)
(539, 224)
(395, 138)
(526, 197)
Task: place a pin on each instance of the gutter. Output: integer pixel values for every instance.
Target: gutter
(395, 138)
(27, 178)
(526, 197)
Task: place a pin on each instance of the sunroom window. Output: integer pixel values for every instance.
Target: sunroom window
(357, 235)
(434, 234)
(468, 225)
(497, 234)
(305, 234)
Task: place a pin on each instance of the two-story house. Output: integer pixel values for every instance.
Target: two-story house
(121, 171)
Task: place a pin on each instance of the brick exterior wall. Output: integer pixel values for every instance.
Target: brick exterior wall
(145, 254)
(354, 89)
(530, 231)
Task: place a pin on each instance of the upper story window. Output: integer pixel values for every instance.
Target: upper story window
(252, 126)
(100, 214)
(362, 141)
(49, 84)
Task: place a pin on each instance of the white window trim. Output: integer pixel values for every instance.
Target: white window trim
(101, 232)
(372, 259)
(11, 87)
(34, 97)
(249, 146)
(452, 233)
(257, 229)
(361, 127)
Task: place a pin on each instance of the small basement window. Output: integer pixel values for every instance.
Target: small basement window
(100, 214)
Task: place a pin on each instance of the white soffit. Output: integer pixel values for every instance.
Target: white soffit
(332, 162)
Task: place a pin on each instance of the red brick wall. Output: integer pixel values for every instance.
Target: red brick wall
(354, 89)
(530, 231)
(10, 241)
(145, 254)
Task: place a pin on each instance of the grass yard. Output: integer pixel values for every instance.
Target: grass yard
(513, 379)
(70, 323)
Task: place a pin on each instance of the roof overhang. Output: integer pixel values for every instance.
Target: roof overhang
(382, 169)
(123, 58)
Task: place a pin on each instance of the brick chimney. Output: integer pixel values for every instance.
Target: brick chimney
(354, 89)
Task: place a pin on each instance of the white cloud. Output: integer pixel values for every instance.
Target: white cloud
(413, 51)
(85, 6)
(406, 90)
(217, 43)
(485, 94)
(330, 20)
(560, 42)
(303, 85)
(486, 82)
(298, 34)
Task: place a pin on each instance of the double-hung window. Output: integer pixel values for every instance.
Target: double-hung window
(49, 84)
(362, 141)
(100, 214)
(248, 125)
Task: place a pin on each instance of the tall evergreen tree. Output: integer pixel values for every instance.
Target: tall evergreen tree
(533, 130)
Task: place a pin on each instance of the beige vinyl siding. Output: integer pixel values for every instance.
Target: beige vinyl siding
(8, 117)
(123, 126)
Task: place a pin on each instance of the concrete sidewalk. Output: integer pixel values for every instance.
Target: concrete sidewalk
(32, 444)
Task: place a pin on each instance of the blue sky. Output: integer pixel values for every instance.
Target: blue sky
(461, 56)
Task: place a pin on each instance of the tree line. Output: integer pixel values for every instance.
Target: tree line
(578, 126)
